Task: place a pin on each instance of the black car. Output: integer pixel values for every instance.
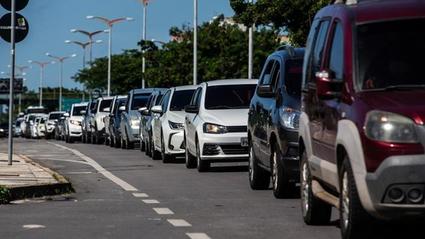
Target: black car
(115, 121)
(273, 123)
(146, 121)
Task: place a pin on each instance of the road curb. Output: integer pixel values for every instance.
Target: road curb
(33, 191)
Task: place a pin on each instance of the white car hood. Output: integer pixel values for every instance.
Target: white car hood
(176, 116)
(234, 117)
(77, 118)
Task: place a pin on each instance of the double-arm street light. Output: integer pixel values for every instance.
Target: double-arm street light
(110, 23)
(42, 65)
(60, 59)
(84, 46)
(90, 35)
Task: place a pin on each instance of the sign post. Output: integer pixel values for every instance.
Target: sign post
(12, 77)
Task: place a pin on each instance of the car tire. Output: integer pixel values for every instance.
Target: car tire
(355, 222)
(202, 165)
(282, 187)
(142, 145)
(259, 179)
(166, 158)
(156, 155)
(83, 138)
(314, 211)
(112, 141)
(117, 142)
(148, 147)
(70, 140)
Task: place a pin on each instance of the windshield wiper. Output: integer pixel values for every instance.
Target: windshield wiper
(220, 107)
(404, 87)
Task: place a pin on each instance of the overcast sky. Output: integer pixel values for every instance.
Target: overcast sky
(51, 20)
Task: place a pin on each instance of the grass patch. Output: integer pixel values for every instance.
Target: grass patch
(4, 195)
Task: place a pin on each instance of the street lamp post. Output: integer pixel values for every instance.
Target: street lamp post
(90, 35)
(251, 49)
(42, 65)
(110, 23)
(60, 60)
(195, 42)
(145, 12)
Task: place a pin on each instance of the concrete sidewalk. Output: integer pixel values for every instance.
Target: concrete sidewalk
(27, 179)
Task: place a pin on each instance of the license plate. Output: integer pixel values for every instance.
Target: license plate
(244, 142)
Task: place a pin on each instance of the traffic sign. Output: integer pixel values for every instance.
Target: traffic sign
(20, 4)
(22, 27)
(17, 85)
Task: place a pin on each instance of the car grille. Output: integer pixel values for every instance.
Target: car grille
(233, 149)
(237, 129)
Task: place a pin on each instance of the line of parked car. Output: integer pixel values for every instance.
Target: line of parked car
(343, 118)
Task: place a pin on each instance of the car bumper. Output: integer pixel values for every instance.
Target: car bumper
(50, 129)
(75, 130)
(134, 135)
(398, 172)
(224, 147)
(176, 142)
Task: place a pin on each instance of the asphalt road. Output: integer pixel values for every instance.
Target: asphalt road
(170, 202)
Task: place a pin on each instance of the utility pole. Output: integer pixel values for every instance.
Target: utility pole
(251, 49)
(144, 32)
(195, 42)
(12, 77)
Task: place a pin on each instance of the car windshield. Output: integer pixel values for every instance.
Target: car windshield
(76, 111)
(105, 104)
(181, 99)
(229, 97)
(42, 120)
(55, 116)
(388, 55)
(31, 118)
(293, 77)
(139, 101)
(119, 103)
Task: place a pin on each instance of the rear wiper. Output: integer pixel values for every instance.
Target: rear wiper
(404, 87)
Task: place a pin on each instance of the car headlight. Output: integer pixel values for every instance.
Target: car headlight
(289, 118)
(2, 130)
(390, 127)
(75, 122)
(174, 125)
(214, 129)
(135, 123)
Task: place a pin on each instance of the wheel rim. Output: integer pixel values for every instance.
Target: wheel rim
(305, 189)
(345, 201)
(251, 164)
(274, 173)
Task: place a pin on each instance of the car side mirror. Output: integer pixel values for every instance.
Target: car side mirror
(107, 109)
(145, 112)
(66, 115)
(122, 108)
(327, 87)
(83, 112)
(141, 110)
(157, 109)
(62, 118)
(265, 91)
(191, 109)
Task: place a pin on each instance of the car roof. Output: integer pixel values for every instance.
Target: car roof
(365, 11)
(57, 112)
(121, 97)
(185, 87)
(296, 53)
(146, 90)
(81, 104)
(231, 82)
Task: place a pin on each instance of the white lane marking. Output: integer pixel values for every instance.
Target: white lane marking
(78, 172)
(179, 223)
(124, 185)
(63, 160)
(198, 235)
(140, 195)
(33, 226)
(150, 201)
(163, 211)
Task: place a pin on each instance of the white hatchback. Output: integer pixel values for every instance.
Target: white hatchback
(216, 123)
(168, 123)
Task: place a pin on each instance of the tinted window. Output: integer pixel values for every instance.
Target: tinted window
(389, 54)
(181, 99)
(276, 74)
(317, 52)
(165, 101)
(229, 97)
(119, 103)
(139, 101)
(54, 116)
(336, 60)
(293, 77)
(93, 107)
(158, 99)
(42, 120)
(266, 79)
(76, 111)
(105, 104)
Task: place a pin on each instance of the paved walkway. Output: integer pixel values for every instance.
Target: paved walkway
(24, 172)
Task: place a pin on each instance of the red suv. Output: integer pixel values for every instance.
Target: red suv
(362, 132)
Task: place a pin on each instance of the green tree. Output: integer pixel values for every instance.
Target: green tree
(291, 16)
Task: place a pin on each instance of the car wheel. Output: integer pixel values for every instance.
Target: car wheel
(282, 187)
(202, 165)
(355, 222)
(314, 211)
(148, 147)
(142, 145)
(166, 158)
(117, 142)
(190, 161)
(83, 138)
(112, 141)
(70, 140)
(156, 155)
(259, 179)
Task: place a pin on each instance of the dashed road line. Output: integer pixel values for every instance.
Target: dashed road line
(198, 235)
(124, 185)
(150, 201)
(179, 223)
(140, 195)
(33, 226)
(163, 211)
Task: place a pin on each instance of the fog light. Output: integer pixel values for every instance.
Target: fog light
(396, 195)
(415, 195)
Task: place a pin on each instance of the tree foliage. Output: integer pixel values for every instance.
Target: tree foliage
(222, 54)
(291, 16)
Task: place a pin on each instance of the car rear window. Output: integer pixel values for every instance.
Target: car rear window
(55, 116)
(181, 99)
(139, 101)
(229, 97)
(388, 54)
